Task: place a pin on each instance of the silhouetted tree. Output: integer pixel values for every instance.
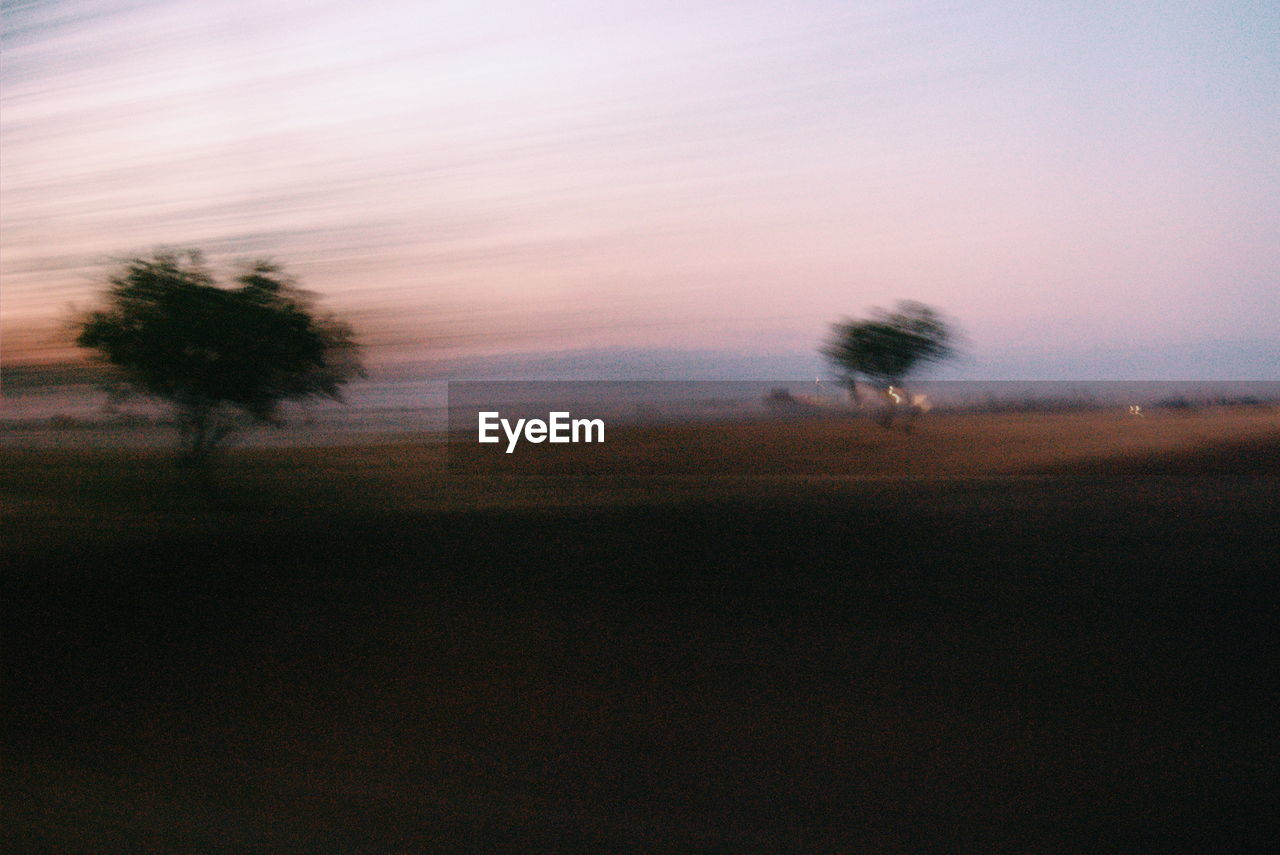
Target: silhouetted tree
(218, 356)
(886, 348)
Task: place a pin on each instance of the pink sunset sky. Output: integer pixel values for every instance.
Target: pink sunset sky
(1085, 188)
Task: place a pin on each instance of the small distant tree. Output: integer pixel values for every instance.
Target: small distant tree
(219, 357)
(886, 348)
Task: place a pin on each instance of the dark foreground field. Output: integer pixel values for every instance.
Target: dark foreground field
(355, 655)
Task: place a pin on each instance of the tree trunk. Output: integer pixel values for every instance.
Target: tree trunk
(201, 435)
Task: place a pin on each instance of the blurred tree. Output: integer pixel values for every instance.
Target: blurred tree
(218, 356)
(886, 348)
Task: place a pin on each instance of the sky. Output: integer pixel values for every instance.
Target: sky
(1087, 189)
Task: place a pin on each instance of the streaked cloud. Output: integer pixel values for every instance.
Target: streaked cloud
(660, 174)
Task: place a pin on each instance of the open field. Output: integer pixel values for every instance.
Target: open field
(999, 634)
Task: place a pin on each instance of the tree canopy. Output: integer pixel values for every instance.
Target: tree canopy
(210, 351)
(887, 347)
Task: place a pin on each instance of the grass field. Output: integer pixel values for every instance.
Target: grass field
(1051, 633)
